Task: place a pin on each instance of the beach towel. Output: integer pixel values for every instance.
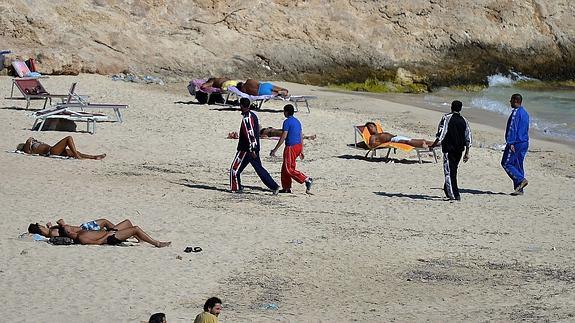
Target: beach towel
(51, 156)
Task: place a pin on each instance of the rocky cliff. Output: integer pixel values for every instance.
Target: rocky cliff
(442, 41)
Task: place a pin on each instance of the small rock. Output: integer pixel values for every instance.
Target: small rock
(179, 257)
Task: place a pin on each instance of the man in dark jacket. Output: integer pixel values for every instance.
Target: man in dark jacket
(249, 151)
(454, 135)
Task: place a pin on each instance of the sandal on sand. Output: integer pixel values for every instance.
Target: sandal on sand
(192, 249)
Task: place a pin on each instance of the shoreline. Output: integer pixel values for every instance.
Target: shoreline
(474, 115)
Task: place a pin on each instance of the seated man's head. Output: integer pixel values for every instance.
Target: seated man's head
(157, 318)
(456, 106)
(371, 127)
(35, 228)
(289, 110)
(213, 305)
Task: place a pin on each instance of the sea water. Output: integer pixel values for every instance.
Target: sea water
(551, 112)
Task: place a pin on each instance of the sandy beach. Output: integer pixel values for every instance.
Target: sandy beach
(374, 243)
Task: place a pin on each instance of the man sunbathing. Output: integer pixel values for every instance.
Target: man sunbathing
(269, 132)
(377, 139)
(64, 147)
(115, 237)
(256, 88)
(50, 230)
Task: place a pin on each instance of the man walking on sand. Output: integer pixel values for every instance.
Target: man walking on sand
(292, 135)
(516, 144)
(454, 135)
(249, 151)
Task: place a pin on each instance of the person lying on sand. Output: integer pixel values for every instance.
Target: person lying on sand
(64, 147)
(256, 88)
(269, 132)
(377, 139)
(50, 230)
(113, 237)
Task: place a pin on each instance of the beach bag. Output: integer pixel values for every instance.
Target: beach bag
(61, 241)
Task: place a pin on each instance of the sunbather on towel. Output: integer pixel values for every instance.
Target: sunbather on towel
(269, 132)
(113, 237)
(256, 88)
(377, 139)
(64, 147)
(50, 230)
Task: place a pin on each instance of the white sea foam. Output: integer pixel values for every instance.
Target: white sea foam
(507, 80)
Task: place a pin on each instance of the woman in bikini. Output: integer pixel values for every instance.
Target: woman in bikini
(50, 230)
(254, 87)
(64, 147)
(113, 237)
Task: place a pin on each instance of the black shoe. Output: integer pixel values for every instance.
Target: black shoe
(308, 185)
(286, 190)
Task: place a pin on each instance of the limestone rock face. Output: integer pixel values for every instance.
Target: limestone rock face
(441, 41)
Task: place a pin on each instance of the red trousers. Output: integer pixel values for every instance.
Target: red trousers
(288, 167)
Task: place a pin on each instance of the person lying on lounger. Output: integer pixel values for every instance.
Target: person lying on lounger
(269, 132)
(64, 147)
(377, 139)
(50, 230)
(113, 237)
(256, 88)
(216, 82)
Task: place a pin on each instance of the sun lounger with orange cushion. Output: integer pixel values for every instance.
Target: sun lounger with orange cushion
(365, 136)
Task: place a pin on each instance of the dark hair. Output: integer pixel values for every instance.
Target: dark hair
(370, 123)
(517, 97)
(211, 302)
(34, 228)
(157, 318)
(456, 106)
(239, 85)
(289, 109)
(245, 102)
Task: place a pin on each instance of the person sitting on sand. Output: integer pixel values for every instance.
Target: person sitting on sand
(269, 132)
(64, 147)
(50, 230)
(377, 139)
(113, 238)
(256, 88)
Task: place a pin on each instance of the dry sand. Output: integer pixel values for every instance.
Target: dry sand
(374, 243)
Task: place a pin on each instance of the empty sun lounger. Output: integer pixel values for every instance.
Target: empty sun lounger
(65, 113)
(364, 144)
(32, 89)
(76, 102)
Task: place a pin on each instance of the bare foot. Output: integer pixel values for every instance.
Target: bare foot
(162, 244)
(312, 137)
(98, 157)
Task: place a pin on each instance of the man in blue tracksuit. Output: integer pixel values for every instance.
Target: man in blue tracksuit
(517, 143)
(249, 151)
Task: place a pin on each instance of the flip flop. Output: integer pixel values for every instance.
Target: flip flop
(192, 249)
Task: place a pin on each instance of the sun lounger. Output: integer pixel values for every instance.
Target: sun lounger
(365, 136)
(260, 99)
(32, 89)
(77, 102)
(68, 114)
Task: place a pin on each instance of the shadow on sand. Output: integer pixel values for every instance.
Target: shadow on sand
(411, 196)
(383, 159)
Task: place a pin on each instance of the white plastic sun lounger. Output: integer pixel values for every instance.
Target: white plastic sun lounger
(260, 99)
